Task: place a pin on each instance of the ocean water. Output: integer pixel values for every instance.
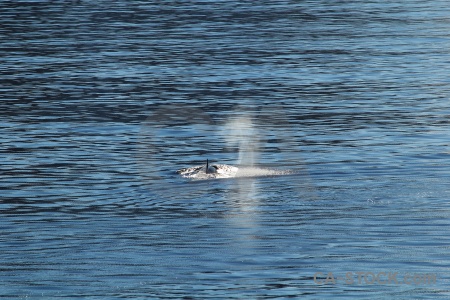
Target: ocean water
(101, 101)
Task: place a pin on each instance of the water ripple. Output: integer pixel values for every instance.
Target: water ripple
(101, 102)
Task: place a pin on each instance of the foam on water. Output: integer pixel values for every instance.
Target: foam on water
(257, 172)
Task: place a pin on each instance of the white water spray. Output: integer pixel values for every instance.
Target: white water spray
(240, 131)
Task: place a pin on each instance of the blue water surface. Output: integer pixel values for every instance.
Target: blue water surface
(101, 101)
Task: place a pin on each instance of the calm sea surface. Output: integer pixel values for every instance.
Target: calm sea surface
(101, 101)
